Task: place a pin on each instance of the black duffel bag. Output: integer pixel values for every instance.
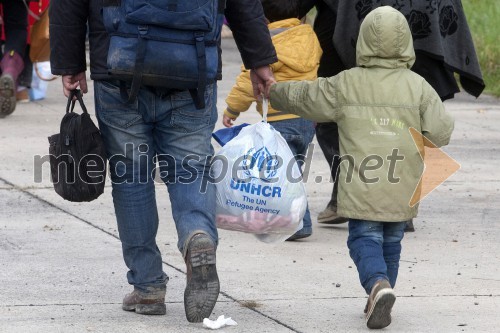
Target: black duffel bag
(77, 155)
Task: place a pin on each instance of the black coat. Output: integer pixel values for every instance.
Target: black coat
(435, 62)
(68, 29)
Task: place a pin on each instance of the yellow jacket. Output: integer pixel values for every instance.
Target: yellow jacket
(298, 53)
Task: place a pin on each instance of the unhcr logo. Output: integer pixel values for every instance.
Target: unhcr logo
(260, 164)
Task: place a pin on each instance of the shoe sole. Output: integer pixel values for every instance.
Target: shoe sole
(295, 237)
(380, 313)
(336, 220)
(7, 96)
(203, 289)
(147, 309)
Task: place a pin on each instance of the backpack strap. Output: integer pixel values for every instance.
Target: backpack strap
(139, 68)
(198, 94)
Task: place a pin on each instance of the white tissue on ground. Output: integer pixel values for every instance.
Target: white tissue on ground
(220, 322)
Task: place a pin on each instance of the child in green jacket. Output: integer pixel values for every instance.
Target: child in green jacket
(375, 105)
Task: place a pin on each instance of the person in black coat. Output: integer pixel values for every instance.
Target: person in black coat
(160, 126)
(443, 46)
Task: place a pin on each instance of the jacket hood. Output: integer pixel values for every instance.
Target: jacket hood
(296, 44)
(385, 40)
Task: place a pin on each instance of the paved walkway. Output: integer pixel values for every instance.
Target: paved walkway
(61, 268)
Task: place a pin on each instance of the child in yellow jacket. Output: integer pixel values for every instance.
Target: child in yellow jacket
(298, 53)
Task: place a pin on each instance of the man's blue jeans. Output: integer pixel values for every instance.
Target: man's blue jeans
(298, 133)
(375, 248)
(162, 130)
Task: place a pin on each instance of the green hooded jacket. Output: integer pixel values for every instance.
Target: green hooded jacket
(375, 105)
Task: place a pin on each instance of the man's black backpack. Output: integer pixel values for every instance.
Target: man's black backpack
(77, 155)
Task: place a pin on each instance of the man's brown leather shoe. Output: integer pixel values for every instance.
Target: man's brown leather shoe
(202, 288)
(148, 304)
(330, 216)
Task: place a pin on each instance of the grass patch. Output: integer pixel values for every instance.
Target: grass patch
(482, 17)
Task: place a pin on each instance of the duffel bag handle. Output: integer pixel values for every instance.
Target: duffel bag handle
(75, 95)
(265, 108)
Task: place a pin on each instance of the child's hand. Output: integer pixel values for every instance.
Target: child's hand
(226, 121)
(268, 89)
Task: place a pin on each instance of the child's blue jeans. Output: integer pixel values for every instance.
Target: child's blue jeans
(375, 248)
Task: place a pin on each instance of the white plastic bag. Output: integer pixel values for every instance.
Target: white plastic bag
(259, 185)
(38, 89)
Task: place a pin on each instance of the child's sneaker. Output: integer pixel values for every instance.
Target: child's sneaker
(379, 306)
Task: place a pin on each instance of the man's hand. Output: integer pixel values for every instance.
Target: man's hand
(268, 89)
(226, 121)
(71, 82)
(262, 78)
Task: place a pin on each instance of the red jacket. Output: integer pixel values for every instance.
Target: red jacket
(37, 7)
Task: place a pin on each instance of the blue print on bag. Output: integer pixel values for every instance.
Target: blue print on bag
(258, 166)
(257, 189)
(261, 164)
